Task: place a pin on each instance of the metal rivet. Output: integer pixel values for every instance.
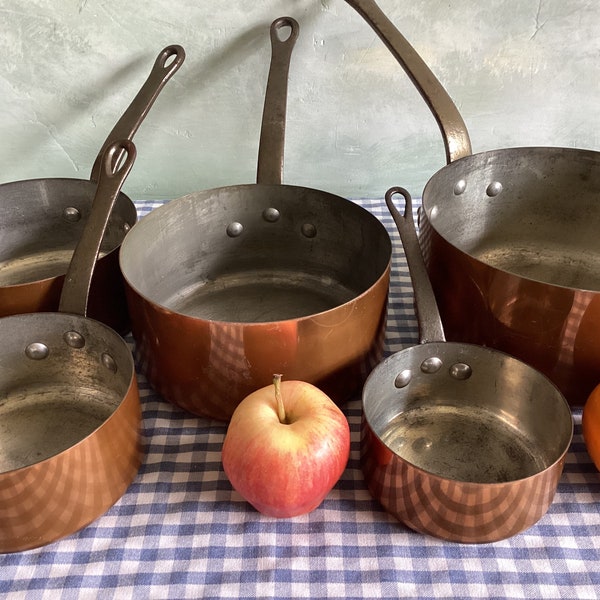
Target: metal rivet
(493, 189)
(71, 214)
(461, 371)
(74, 339)
(431, 365)
(459, 187)
(308, 230)
(109, 362)
(403, 378)
(234, 229)
(37, 351)
(271, 215)
(126, 227)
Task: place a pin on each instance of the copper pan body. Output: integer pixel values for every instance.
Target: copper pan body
(53, 484)
(70, 414)
(228, 286)
(41, 221)
(478, 462)
(35, 252)
(459, 441)
(554, 327)
(272, 301)
(510, 239)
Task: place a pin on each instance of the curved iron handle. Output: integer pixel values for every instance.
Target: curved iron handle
(457, 143)
(76, 287)
(428, 314)
(133, 117)
(272, 133)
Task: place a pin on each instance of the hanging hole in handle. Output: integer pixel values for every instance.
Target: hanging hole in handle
(171, 57)
(389, 199)
(120, 157)
(118, 160)
(285, 29)
(284, 33)
(169, 60)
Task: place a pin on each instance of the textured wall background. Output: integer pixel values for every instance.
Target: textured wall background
(522, 72)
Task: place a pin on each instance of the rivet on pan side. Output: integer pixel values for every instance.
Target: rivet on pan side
(271, 215)
(74, 339)
(71, 214)
(126, 227)
(403, 378)
(461, 371)
(431, 365)
(459, 187)
(37, 351)
(234, 229)
(493, 189)
(308, 230)
(109, 362)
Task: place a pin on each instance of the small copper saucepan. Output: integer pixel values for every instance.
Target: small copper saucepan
(69, 405)
(459, 441)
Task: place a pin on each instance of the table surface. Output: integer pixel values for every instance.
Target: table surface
(180, 531)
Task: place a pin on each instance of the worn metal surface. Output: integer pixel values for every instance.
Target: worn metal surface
(231, 285)
(459, 441)
(510, 240)
(69, 405)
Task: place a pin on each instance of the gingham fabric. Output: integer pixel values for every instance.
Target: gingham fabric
(181, 532)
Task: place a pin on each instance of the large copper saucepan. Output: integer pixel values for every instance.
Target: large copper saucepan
(459, 441)
(41, 221)
(510, 238)
(230, 285)
(69, 404)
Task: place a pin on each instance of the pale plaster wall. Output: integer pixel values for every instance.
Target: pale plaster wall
(522, 72)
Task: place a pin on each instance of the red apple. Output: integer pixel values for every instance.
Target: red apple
(286, 446)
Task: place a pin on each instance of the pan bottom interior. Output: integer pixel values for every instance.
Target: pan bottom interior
(36, 266)
(575, 268)
(255, 297)
(463, 444)
(39, 422)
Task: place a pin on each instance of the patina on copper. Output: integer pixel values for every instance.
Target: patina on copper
(70, 414)
(510, 239)
(459, 441)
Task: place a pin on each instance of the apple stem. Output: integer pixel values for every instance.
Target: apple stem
(280, 408)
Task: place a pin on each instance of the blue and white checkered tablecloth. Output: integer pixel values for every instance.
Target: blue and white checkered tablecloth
(181, 532)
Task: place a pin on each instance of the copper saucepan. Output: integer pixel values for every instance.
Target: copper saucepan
(459, 441)
(69, 411)
(512, 234)
(41, 221)
(230, 285)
